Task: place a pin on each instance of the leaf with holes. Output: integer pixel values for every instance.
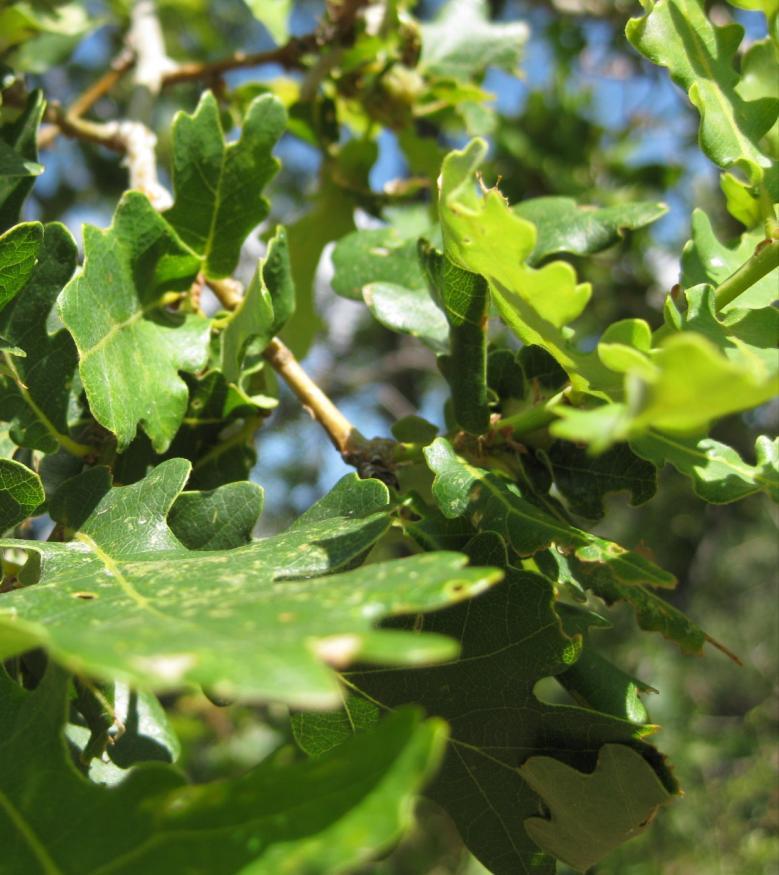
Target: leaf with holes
(125, 599)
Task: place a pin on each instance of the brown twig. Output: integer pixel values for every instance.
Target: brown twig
(344, 436)
(227, 291)
(81, 105)
(290, 56)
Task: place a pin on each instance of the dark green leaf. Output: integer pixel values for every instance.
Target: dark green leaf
(220, 519)
(326, 815)
(21, 493)
(20, 136)
(264, 310)
(18, 253)
(494, 503)
(511, 638)
(585, 480)
(36, 395)
(465, 300)
(218, 186)
(564, 226)
(380, 255)
(408, 311)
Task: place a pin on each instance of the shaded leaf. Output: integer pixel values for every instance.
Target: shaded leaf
(591, 814)
(125, 599)
(585, 480)
(324, 815)
(564, 226)
(219, 519)
(218, 186)
(131, 348)
(20, 136)
(719, 474)
(21, 493)
(36, 394)
(700, 57)
(511, 638)
(465, 301)
(494, 503)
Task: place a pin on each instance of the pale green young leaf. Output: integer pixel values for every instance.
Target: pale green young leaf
(701, 58)
(218, 186)
(280, 818)
(706, 260)
(20, 136)
(274, 14)
(462, 41)
(131, 348)
(758, 80)
(587, 818)
(706, 369)
(564, 226)
(36, 392)
(719, 474)
(125, 599)
(21, 493)
(483, 235)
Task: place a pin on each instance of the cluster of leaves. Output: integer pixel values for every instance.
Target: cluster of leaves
(128, 417)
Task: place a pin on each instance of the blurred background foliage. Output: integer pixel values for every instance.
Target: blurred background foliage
(585, 117)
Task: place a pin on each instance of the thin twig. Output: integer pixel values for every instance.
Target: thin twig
(227, 291)
(289, 56)
(81, 105)
(344, 436)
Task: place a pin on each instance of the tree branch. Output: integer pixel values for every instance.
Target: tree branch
(344, 436)
(119, 66)
(289, 56)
